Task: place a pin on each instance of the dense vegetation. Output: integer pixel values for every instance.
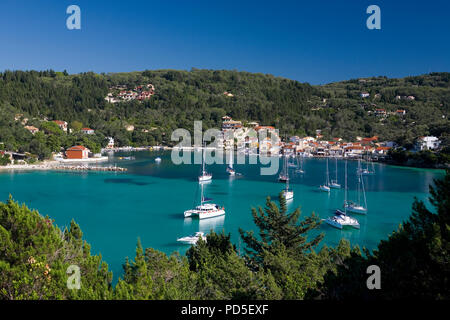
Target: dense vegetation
(184, 96)
(282, 263)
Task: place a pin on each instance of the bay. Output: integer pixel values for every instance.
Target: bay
(147, 202)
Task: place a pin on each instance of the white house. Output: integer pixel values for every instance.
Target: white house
(110, 143)
(364, 94)
(428, 143)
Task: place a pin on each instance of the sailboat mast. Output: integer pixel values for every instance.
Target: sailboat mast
(328, 175)
(336, 171)
(202, 198)
(345, 193)
(364, 193)
(203, 162)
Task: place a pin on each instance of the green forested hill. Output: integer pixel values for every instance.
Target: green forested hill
(184, 96)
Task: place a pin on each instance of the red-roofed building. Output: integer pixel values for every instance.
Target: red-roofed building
(87, 131)
(61, 124)
(77, 152)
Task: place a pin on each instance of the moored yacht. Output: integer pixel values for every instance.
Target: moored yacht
(360, 206)
(284, 175)
(334, 183)
(340, 220)
(192, 239)
(326, 186)
(205, 176)
(230, 169)
(205, 210)
(288, 193)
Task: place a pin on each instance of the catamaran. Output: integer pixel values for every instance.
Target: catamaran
(192, 239)
(326, 186)
(358, 207)
(340, 218)
(334, 183)
(205, 209)
(205, 176)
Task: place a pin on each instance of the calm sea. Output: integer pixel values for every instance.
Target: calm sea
(147, 202)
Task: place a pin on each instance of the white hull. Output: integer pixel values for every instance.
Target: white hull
(288, 195)
(335, 185)
(324, 188)
(356, 209)
(205, 178)
(205, 213)
(341, 221)
(192, 239)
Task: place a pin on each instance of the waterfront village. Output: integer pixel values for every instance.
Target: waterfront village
(244, 137)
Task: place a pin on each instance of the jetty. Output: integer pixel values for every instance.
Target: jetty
(89, 168)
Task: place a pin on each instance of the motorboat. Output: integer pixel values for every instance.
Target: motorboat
(192, 239)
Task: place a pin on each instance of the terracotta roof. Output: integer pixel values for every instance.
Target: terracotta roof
(75, 148)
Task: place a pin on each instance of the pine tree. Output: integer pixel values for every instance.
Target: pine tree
(276, 227)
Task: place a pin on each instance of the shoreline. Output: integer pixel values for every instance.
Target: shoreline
(52, 164)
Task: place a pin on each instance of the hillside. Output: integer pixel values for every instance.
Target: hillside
(181, 97)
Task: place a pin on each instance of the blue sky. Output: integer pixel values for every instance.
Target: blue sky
(310, 41)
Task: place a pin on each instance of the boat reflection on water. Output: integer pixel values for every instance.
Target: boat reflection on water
(215, 223)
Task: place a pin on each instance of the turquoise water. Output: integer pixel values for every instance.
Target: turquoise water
(147, 202)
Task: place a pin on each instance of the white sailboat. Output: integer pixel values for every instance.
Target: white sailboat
(205, 209)
(300, 165)
(205, 176)
(288, 193)
(366, 170)
(334, 183)
(340, 218)
(361, 205)
(230, 169)
(326, 186)
(284, 176)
